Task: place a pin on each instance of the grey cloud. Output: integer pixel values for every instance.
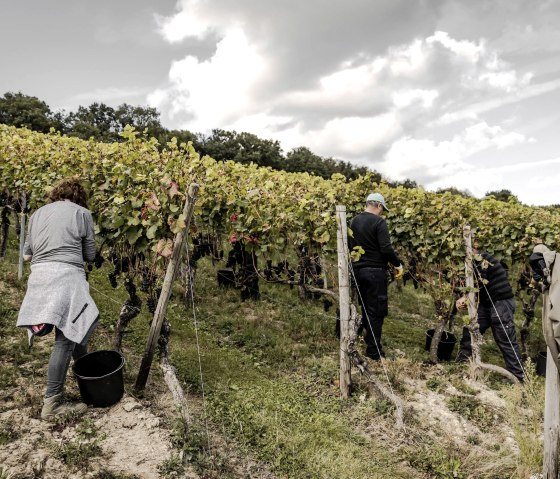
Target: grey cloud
(308, 39)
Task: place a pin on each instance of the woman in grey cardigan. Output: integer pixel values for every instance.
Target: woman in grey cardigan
(60, 238)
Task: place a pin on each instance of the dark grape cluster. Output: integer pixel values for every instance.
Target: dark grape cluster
(148, 279)
(113, 279)
(98, 260)
(151, 303)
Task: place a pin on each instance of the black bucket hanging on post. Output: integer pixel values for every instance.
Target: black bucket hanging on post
(445, 346)
(541, 363)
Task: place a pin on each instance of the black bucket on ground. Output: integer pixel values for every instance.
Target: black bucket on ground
(541, 363)
(226, 278)
(445, 346)
(100, 377)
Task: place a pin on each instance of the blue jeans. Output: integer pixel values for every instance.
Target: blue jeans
(62, 351)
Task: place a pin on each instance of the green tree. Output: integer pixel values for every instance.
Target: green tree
(98, 121)
(409, 184)
(252, 149)
(503, 195)
(220, 145)
(20, 110)
(302, 159)
(182, 136)
(242, 147)
(455, 191)
(141, 118)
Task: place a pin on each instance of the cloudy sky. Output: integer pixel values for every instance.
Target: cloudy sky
(444, 92)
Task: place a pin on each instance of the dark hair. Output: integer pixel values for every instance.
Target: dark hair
(69, 189)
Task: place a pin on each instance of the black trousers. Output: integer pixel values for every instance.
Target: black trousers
(372, 288)
(503, 332)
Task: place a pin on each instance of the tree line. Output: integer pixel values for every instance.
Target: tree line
(105, 124)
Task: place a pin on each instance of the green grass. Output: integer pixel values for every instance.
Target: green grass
(270, 377)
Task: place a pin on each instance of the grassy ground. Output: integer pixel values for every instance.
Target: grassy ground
(264, 376)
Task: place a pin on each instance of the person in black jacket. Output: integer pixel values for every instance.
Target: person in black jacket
(496, 307)
(370, 232)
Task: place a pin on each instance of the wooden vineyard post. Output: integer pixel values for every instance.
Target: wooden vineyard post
(551, 419)
(474, 327)
(551, 409)
(22, 235)
(161, 308)
(344, 298)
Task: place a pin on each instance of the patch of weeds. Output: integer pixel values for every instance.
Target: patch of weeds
(462, 386)
(61, 422)
(192, 441)
(78, 451)
(473, 410)
(436, 384)
(393, 370)
(525, 414)
(383, 407)
(107, 474)
(474, 440)
(438, 463)
(8, 432)
(172, 467)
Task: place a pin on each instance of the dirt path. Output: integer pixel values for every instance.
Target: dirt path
(131, 439)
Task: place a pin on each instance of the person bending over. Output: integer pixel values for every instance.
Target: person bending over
(60, 238)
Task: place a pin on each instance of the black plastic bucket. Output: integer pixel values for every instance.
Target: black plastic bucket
(226, 278)
(100, 377)
(445, 346)
(541, 363)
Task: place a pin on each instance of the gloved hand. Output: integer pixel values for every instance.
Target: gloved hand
(399, 271)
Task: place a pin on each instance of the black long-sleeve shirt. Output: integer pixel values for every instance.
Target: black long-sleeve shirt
(372, 234)
(498, 286)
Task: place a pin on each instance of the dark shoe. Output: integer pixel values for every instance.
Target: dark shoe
(376, 357)
(462, 358)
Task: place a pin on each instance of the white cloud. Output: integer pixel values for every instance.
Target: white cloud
(217, 91)
(423, 102)
(189, 22)
(474, 110)
(436, 164)
(464, 49)
(404, 98)
(408, 59)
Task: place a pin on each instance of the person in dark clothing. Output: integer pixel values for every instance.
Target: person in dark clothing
(496, 307)
(370, 232)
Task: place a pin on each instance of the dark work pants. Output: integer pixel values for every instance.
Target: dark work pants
(372, 287)
(62, 351)
(504, 333)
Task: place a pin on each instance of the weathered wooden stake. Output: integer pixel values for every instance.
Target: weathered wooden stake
(551, 409)
(161, 308)
(551, 419)
(22, 234)
(474, 327)
(344, 300)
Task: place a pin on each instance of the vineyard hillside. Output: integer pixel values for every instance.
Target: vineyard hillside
(260, 370)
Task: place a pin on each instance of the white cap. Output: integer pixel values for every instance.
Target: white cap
(378, 197)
